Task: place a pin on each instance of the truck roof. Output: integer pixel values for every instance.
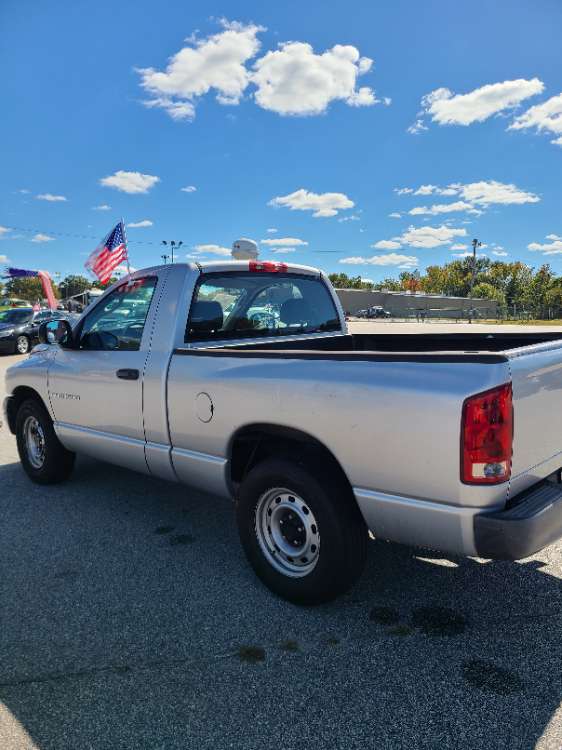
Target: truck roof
(223, 266)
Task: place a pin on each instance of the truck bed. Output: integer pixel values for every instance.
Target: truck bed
(406, 345)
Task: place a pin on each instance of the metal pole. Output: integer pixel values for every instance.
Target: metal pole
(475, 244)
(126, 246)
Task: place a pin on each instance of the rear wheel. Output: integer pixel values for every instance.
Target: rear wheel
(303, 536)
(44, 459)
(22, 345)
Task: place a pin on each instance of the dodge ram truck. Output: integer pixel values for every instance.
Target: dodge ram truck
(240, 378)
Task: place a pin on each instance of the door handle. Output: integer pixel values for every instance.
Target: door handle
(128, 374)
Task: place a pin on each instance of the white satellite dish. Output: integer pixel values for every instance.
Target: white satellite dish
(245, 249)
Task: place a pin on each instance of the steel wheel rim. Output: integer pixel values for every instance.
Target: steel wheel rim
(287, 532)
(22, 345)
(34, 442)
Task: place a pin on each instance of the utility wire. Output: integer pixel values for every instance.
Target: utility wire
(77, 236)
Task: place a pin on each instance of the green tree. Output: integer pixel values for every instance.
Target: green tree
(343, 281)
(28, 288)
(74, 284)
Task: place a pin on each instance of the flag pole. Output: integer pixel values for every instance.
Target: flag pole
(126, 245)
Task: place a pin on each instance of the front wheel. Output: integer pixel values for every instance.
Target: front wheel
(44, 459)
(303, 536)
(22, 345)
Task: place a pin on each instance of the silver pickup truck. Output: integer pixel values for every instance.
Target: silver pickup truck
(240, 378)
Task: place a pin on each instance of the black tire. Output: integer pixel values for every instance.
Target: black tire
(22, 345)
(342, 532)
(57, 462)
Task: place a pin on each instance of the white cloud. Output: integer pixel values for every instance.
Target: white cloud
(390, 259)
(487, 192)
(395, 215)
(213, 250)
(351, 217)
(272, 230)
(500, 253)
(50, 197)
(188, 189)
(101, 207)
(546, 116)
(417, 127)
(322, 204)
(482, 193)
(426, 190)
(469, 255)
(429, 237)
(459, 246)
(216, 63)
(130, 182)
(443, 208)
(140, 224)
(293, 80)
(123, 270)
(42, 238)
(24, 191)
(4, 259)
(446, 108)
(387, 245)
(554, 247)
(3, 230)
(284, 242)
(282, 250)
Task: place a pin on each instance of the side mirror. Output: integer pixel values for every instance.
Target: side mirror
(55, 332)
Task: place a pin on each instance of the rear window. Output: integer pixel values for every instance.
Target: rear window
(250, 305)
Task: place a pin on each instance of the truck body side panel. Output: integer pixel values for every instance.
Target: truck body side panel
(394, 427)
(537, 397)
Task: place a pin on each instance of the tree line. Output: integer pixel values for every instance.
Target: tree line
(517, 288)
(30, 288)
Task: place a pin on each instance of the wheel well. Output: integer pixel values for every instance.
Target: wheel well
(254, 443)
(20, 394)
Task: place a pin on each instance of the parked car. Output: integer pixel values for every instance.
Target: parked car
(317, 434)
(19, 328)
(8, 302)
(375, 311)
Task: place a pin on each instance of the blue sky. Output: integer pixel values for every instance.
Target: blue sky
(304, 118)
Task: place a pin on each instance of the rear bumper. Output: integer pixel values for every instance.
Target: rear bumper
(533, 521)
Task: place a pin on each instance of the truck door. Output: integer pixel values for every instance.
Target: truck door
(95, 389)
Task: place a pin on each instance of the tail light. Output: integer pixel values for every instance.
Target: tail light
(487, 436)
(267, 266)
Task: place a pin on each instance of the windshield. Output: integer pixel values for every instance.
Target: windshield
(15, 316)
(239, 305)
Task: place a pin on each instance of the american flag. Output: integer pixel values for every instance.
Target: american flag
(108, 254)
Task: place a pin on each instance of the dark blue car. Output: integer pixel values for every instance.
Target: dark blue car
(19, 328)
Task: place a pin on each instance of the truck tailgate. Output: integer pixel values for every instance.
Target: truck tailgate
(537, 402)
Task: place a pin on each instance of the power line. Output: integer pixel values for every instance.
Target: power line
(76, 236)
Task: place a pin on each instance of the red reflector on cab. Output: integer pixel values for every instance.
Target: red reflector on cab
(487, 436)
(267, 266)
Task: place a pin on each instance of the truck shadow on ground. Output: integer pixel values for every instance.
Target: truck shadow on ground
(131, 619)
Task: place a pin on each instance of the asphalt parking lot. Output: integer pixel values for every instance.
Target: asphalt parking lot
(130, 619)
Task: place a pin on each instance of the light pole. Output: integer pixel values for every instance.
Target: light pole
(173, 244)
(475, 244)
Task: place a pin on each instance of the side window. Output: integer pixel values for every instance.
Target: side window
(117, 323)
